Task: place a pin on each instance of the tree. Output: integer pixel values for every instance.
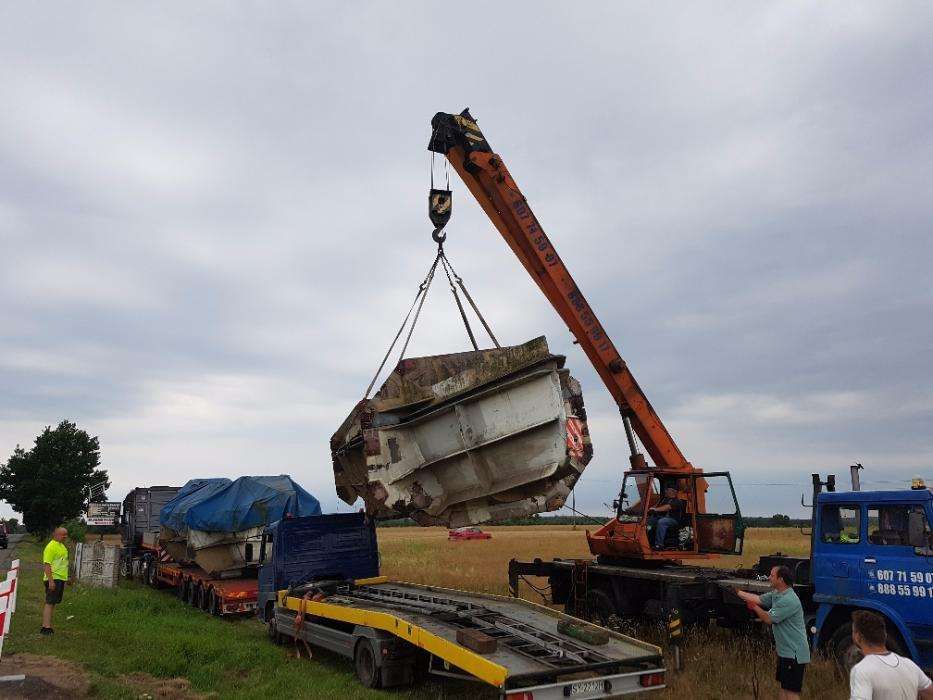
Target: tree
(49, 484)
(780, 520)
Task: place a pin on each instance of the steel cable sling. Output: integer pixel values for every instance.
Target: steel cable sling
(417, 304)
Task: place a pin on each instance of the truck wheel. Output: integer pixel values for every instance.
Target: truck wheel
(364, 658)
(847, 654)
(192, 594)
(182, 590)
(843, 648)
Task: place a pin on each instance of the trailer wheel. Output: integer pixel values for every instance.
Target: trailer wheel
(191, 594)
(205, 602)
(213, 603)
(181, 590)
(364, 658)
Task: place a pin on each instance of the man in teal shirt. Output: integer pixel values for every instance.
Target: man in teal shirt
(782, 610)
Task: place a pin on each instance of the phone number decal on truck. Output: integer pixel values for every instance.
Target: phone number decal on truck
(902, 583)
(903, 590)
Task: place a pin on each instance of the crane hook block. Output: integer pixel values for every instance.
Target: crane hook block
(439, 209)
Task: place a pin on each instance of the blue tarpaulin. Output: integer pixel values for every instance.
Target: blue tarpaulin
(194, 492)
(248, 502)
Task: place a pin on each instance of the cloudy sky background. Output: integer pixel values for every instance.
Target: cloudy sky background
(212, 219)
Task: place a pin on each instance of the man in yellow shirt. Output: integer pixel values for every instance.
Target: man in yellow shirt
(55, 563)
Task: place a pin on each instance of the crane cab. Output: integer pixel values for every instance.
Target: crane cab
(708, 520)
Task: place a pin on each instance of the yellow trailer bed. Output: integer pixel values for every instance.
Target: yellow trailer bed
(522, 649)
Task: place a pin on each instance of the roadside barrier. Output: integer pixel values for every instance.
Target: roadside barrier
(8, 589)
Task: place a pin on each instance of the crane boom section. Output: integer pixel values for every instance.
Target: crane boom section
(459, 139)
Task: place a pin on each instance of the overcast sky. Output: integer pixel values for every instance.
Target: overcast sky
(213, 217)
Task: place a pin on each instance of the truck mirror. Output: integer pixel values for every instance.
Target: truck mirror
(916, 530)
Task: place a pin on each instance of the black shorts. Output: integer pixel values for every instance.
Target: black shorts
(790, 674)
(54, 593)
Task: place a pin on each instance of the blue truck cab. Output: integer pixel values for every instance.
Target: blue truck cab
(318, 547)
(872, 550)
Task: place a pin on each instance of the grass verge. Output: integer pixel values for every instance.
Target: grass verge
(116, 633)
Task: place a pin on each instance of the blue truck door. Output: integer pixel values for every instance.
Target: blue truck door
(839, 550)
(894, 575)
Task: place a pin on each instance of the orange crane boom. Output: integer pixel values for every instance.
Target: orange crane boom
(459, 138)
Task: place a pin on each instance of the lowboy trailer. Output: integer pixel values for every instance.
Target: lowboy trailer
(523, 650)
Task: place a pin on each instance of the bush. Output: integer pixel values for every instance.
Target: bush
(77, 530)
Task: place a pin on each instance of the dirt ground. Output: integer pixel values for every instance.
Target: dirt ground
(51, 678)
(46, 677)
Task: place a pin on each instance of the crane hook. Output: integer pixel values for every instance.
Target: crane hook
(439, 209)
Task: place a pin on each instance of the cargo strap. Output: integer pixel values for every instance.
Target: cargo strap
(417, 304)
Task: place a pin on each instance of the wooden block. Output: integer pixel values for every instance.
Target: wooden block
(476, 641)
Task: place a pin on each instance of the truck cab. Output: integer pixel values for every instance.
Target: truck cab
(293, 551)
(872, 550)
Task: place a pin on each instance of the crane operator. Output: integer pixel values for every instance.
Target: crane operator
(668, 512)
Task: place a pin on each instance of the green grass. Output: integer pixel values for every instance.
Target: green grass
(113, 633)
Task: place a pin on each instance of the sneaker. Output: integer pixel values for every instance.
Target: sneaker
(46, 631)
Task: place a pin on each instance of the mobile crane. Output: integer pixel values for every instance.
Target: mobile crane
(702, 534)
(869, 549)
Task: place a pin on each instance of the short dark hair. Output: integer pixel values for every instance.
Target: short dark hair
(870, 627)
(785, 574)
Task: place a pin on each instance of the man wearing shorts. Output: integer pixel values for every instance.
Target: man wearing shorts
(55, 575)
(782, 610)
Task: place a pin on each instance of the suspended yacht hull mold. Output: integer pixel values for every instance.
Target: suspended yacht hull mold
(466, 438)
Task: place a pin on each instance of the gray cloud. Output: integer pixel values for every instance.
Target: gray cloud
(212, 220)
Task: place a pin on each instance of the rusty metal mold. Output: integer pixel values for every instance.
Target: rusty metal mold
(466, 438)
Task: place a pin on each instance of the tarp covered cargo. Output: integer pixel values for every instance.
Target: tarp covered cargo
(466, 438)
(217, 523)
(249, 502)
(191, 494)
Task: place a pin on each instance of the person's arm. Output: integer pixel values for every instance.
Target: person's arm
(748, 597)
(761, 614)
(47, 562)
(924, 685)
(661, 509)
(859, 685)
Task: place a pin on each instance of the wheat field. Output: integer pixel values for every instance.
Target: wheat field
(718, 663)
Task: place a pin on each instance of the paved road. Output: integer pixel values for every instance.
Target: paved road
(7, 554)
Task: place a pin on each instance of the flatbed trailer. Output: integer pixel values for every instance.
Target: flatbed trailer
(217, 596)
(521, 649)
(214, 595)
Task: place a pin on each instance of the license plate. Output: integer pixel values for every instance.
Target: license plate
(583, 687)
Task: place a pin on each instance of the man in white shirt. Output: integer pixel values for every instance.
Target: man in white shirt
(882, 674)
